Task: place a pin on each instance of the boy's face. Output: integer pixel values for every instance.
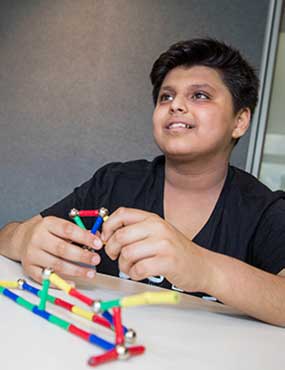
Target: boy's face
(194, 115)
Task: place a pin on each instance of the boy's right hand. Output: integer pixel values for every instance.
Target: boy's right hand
(48, 242)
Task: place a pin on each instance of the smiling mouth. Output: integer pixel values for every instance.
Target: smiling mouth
(179, 125)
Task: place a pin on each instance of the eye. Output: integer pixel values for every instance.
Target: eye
(165, 97)
(200, 95)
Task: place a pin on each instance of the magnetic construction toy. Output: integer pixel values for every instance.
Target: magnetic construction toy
(99, 311)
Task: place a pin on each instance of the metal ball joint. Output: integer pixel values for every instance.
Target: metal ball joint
(47, 272)
(21, 282)
(103, 212)
(122, 352)
(130, 336)
(73, 213)
(97, 306)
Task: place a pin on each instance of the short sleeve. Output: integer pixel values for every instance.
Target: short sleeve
(268, 248)
(73, 200)
(85, 196)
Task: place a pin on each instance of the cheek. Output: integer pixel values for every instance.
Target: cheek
(215, 120)
(156, 119)
(156, 127)
(155, 116)
(207, 121)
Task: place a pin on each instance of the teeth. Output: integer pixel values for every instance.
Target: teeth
(179, 124)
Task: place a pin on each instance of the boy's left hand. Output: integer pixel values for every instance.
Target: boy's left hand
(147, 245)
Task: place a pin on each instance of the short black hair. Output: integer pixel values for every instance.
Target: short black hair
(237, 74)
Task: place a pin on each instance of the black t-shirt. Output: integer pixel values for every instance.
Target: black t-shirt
(247, 223)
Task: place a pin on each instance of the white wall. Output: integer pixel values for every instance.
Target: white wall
(272, 171)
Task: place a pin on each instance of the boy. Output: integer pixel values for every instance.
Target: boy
(187, 217)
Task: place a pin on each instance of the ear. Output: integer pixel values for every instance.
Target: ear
(242, 121)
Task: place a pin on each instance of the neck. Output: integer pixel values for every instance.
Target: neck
(194, 177)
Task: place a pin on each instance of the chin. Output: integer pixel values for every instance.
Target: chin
(175, 152)
(179, 157)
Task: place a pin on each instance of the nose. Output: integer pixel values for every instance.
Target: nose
(179, 105)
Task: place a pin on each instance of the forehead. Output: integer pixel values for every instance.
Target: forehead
(197, 75)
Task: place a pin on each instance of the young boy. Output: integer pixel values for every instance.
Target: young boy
(187, 220)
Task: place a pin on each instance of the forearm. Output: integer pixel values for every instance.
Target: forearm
(251, 290)
(12, 237)
(7, 247)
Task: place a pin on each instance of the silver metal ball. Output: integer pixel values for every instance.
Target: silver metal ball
(97, 306)
(122, 351)
(103, 212)
(47, 272)
(73, 212)
(21, 283)
(130, 336)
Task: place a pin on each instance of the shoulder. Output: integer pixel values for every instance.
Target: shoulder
(252, 194)
(133, 168)
(127, 184)
(249, 186)
(254, 221)
(246, 182)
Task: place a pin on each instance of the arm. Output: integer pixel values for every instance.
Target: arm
(147, 245)
(6, 245)
(47, 242)
(251, 290)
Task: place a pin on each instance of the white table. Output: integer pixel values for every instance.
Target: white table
(195, 334)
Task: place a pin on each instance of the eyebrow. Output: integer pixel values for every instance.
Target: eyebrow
(190, 87)
(167, 88)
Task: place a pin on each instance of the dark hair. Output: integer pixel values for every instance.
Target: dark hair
(239, 77)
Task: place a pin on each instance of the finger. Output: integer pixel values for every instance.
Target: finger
(65, 249)
(124, 265)
(131, 254)
(149, 267)
(127, 235)
(62, 266)
(69, 231)
(34, 272)
(122, 217)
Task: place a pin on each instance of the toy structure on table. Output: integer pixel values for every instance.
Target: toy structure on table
(99, 311)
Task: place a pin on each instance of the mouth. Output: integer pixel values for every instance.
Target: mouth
(179, 125)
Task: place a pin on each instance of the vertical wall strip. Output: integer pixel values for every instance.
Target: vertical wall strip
(259, 122)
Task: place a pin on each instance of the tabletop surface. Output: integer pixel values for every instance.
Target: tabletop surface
(195, 334)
